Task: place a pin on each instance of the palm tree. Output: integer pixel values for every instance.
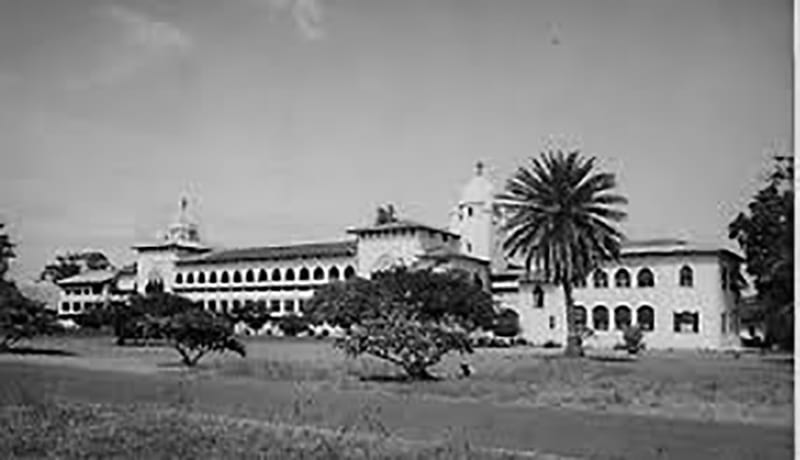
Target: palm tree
(561, 215)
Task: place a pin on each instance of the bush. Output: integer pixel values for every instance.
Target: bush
(507, 324)
(293, 325)
(633, 337)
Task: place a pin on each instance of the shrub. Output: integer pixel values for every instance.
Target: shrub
(294, 325)
(507, 323)
(551, 344)
(633, 337)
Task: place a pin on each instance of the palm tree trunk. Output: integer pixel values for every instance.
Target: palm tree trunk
(574, 343)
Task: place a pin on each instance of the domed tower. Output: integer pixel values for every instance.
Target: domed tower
(155, 261)
(474, 217)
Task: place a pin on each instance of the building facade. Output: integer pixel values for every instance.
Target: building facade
(683, 295)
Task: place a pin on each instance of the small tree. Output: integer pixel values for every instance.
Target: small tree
(197, 332)
(411, 318)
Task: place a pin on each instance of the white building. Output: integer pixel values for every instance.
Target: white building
(682, 294)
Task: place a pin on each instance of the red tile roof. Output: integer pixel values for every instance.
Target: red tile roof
(293, 251)
(401, 225)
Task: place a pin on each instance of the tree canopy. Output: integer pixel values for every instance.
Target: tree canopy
(765, 232)
(561, 215)
(73, 263)
(411, 318)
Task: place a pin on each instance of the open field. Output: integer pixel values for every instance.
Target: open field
(684, 385)
(523, 401)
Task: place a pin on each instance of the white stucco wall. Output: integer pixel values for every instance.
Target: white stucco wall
(667, 297)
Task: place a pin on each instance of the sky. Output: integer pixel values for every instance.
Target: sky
(292, 120)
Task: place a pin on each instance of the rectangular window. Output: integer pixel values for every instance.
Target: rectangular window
(552, 322)
(275, 305)
(724, 322)
(223, 306)
(97, 289)
(65, 307)
(76, 307)
(288, 306)
(212, 305)
(686, 323)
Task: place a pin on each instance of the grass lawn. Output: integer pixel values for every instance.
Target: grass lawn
(685, 385)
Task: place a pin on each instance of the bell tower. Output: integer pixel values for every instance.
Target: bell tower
(474, 218)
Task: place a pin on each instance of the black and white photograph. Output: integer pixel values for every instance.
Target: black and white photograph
(397, 229)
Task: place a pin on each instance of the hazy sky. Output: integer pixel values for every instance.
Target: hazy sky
(291, 120)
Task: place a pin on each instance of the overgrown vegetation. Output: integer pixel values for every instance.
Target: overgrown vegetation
(411, 318)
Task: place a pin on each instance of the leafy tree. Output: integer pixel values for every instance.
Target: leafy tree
(765, 232)
(72, 263)
(197, 332)
(561, 215)
(411, 318)
(20, 317)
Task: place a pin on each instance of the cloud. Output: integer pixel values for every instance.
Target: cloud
(145, 31)
(307, 15)
(141, 41)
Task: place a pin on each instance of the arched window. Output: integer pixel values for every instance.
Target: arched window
(190, 278)
(600, 318)
(249, 276)
(212, 277)
(201, 277)
(303, 274)
(237, 276)
(262, 275)
(645, 278)
(600, 279)
(645, 317)
(178, 278)
(622, 279)
(538, 297)
(289, 274)
(349, 272)
(319, 273)
(622, 317)
(580, 316)
(686, 276)
(224, 277)
(276, 274)
(333, 274)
